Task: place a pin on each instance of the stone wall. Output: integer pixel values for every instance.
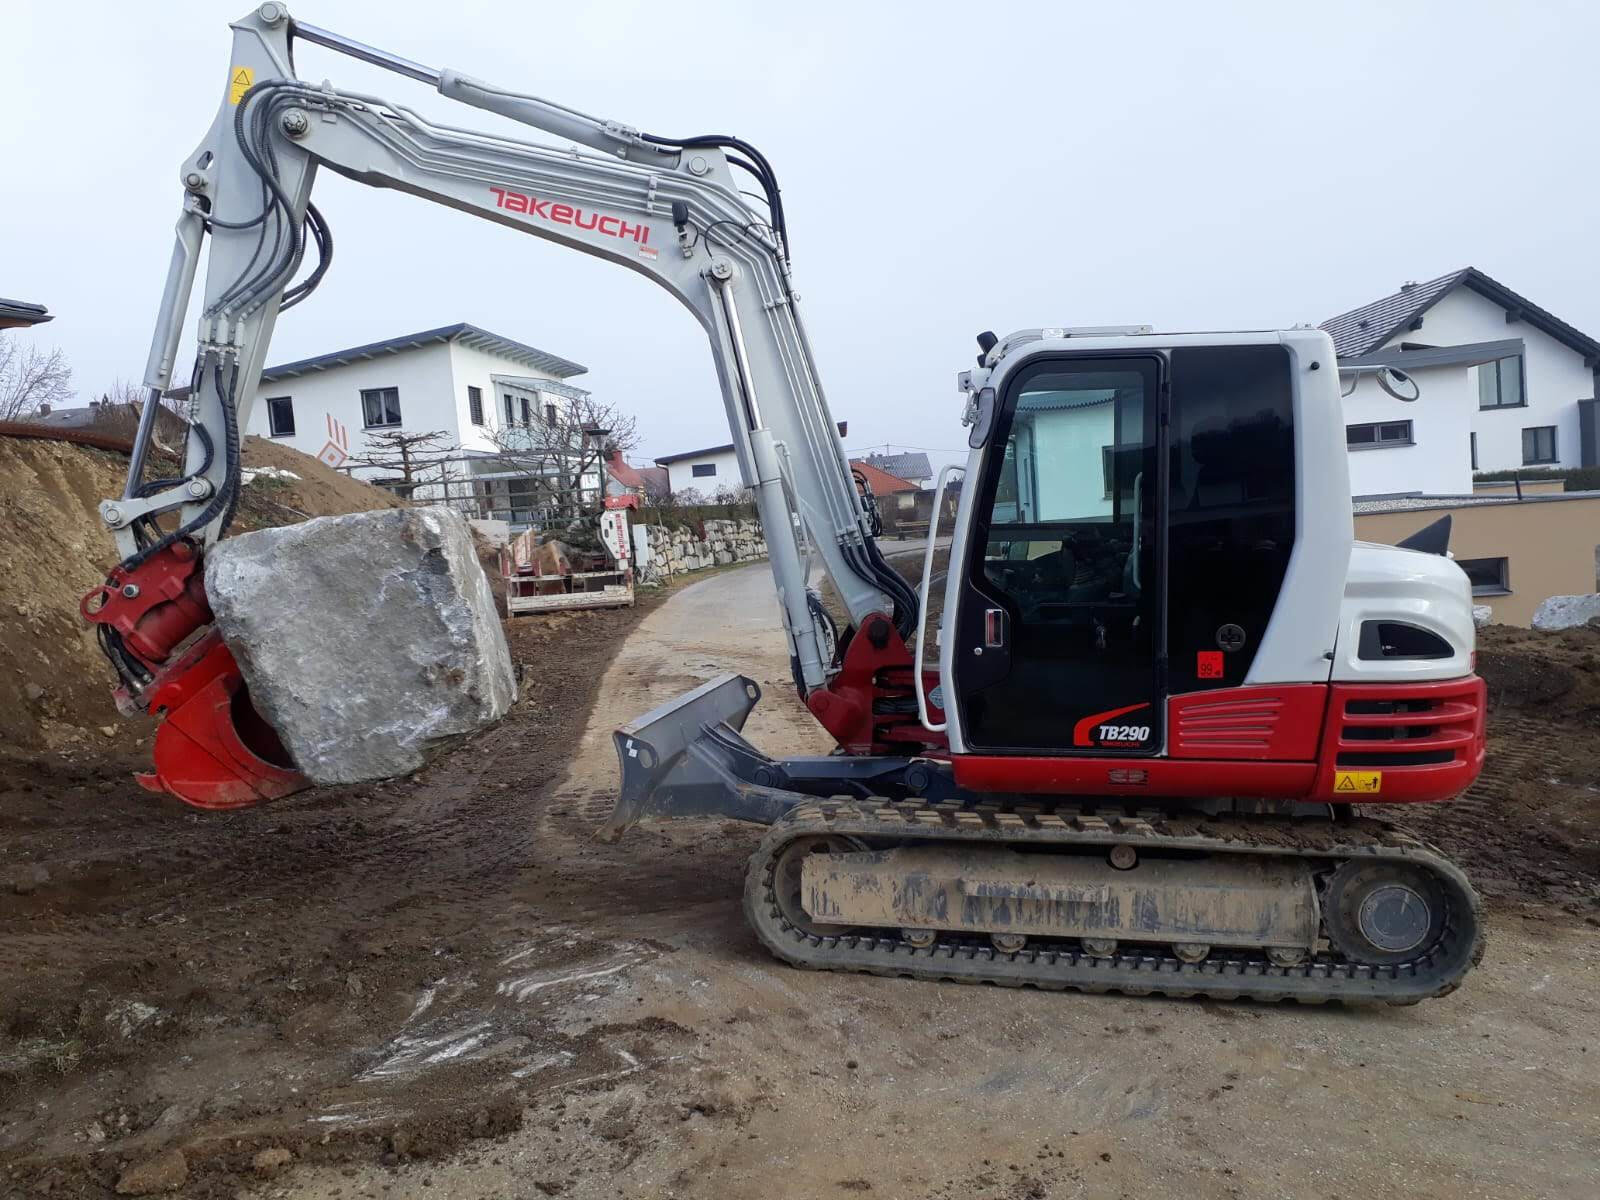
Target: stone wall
(674, 550)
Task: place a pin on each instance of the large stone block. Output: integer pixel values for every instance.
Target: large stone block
(368, 641)
(1566, 612)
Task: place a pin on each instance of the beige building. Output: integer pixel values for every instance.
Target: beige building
(1516, 552)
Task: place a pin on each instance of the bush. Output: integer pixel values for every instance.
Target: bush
(692, 516)
(1574, 479)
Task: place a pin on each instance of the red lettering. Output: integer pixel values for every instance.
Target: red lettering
(567, 214)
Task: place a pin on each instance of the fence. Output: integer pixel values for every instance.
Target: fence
(522, 490)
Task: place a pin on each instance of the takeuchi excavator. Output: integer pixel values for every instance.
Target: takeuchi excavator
(1163, 672)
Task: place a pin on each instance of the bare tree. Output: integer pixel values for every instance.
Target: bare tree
(31, 377)
(417, 458)
(556, 459)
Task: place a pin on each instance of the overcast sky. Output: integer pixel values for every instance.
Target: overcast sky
(946, 168)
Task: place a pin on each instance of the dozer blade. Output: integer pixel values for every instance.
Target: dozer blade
(677, 760)
(213, 749)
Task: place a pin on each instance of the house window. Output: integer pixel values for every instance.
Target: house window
(1489, 576)
(280, 416)
(1378, 435)
(1500, 383)
(511, 410)
(1538, 444)
(380, 406)
(475, 405)
(549, 413)
(1472, 441)
(703, 470)
(527, 410)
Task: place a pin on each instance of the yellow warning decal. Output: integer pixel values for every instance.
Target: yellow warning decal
(1358, 781)
(240, 82)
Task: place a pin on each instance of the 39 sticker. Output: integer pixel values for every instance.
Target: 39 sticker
(1123, 734)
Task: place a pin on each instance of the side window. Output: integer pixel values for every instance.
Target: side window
(1062, 525)
(1231, 516)
(1064, 607)
(1500, 383)
(280, 416)
(1539, 445)
(703, 470)
(380, 407)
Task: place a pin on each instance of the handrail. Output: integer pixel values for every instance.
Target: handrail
(922, 608)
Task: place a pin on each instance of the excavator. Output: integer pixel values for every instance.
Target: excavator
(1128, 756)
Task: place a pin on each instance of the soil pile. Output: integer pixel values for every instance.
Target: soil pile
(1529, 829)
(55, 686)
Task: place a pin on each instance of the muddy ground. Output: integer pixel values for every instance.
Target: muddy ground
(53, 548)
(444, 986)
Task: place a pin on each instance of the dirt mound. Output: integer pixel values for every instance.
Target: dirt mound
(54, 684)
(1529, 829)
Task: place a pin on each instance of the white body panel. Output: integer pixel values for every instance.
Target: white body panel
(1425, 590)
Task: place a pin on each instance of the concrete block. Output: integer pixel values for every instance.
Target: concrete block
(1566, 612)
(368, 641)
(1482, 614)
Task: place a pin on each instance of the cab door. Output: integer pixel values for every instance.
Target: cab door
(1060, 629)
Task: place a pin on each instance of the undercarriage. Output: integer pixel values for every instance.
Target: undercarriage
(1099, 899)
(885, 866)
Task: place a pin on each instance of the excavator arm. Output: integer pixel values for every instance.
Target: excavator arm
(669, 209)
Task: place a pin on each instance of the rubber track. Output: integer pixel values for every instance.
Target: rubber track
(1144, 969)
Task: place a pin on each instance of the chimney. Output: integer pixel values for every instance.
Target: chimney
(44, 410)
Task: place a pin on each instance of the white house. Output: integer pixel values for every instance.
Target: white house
(703, 471)
(481, 389)
(707, 470)
(1504, 384)
(463, 380)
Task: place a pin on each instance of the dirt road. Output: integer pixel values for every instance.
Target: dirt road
(761, 1081)
(447, 988)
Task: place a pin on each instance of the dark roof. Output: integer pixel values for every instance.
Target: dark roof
(65, 418)
(1469, 354)
(19, 312)
(914, 466)
(1363, 330)
(667, 458)
(728, 449)
(467, 335)
(880, 481)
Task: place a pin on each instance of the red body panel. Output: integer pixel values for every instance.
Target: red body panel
(869, 706)
(1445, 719)
(1279, 743)
(1281, 723)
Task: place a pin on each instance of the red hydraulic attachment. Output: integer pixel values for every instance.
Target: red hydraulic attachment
(869, 706)
(213, 749)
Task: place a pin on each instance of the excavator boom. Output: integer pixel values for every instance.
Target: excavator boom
(669, 209)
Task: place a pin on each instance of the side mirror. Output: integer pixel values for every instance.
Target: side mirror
(983, 406)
